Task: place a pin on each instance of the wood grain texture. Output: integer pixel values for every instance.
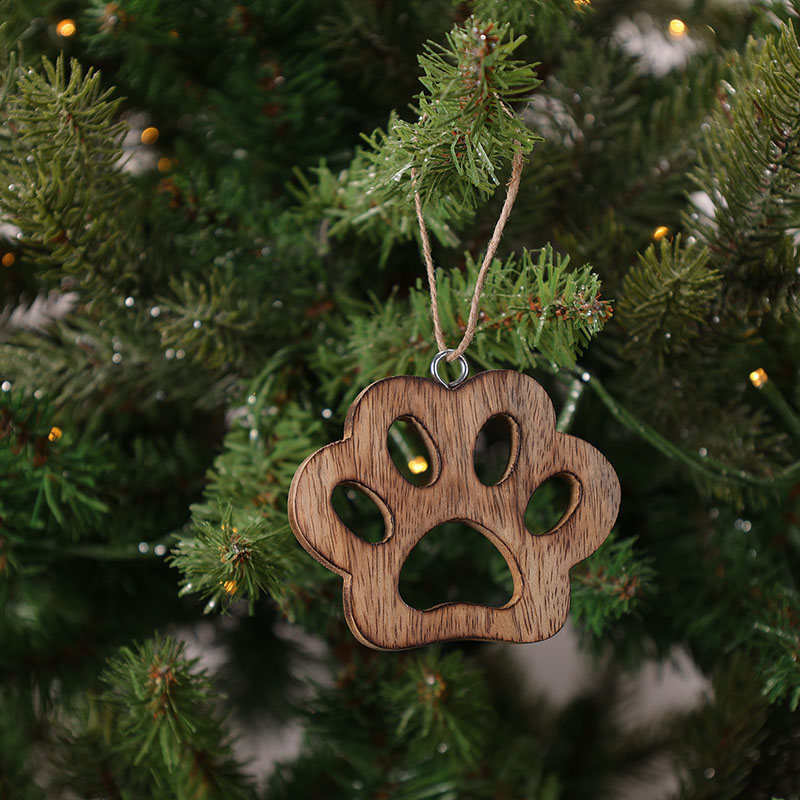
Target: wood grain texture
(450, 420)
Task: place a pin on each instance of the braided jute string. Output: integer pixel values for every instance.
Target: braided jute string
(491, 249)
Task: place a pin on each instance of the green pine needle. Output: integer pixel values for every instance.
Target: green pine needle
(164, 716)
(748, 168)
(666, 299)
(613, 582)
(223, 564)
(466, 131)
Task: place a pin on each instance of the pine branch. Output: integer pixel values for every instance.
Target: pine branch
(466, 131)
(666, 300)
(348, 202)
(166, 722)
(535, 311)
(91, 366)
(748, 169)
(224, 564)
(48, 476)
(611, 583)
(465, 136)
(240, 545)
(375, 46)
(64, 186)
(538, 16)
(714, 471)
(714, 745)
(577, 192)
(435, 703)
(779, 659)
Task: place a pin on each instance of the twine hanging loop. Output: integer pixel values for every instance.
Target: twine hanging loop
(451, 354)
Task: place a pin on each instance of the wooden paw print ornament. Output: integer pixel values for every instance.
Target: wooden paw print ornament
(449, 420)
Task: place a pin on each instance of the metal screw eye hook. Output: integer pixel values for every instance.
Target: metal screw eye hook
(462, 361)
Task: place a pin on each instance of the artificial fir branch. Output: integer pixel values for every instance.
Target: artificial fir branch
(360, 36)
(535, 310)
(535, 15)
(433, 697)
(347, 202)
(457, 148)
(48, 474)
(667, 299)
(614, 572)
(584, 148)
(164, 720)
(703, 305)
(716, 743)
(81, 358)
(224, 564)
(749, 165)
(240, 544)
(64, 186)
(711, 468)
(470, 84)
(263, 92)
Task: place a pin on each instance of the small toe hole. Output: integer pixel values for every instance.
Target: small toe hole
(411, 450)
(453, 563)
(549, 504)
(360, 511)
(496, 449)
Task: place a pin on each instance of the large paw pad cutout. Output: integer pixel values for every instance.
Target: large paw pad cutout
(450, 420)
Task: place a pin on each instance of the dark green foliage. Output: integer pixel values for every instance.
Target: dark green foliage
(749, 164)
(375, 45)
(735, 716)
(221, 78)
(346, 201)
(430, 701)
(461, 749)
(534, 15)
(535, 311)
(62, 183)
(617, 574)
(50, 477)
(669, 292)
(163, 715)
(464, 136)
(224, 564)
(465, 129)
(195, 315)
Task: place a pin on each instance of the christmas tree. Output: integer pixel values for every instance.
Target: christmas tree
(210, 245)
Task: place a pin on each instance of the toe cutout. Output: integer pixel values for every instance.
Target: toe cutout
(361, 511)
(551, 503)
(412, 451)
(455, 562)
(496, 449)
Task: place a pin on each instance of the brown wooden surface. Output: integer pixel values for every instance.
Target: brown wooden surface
(450, 420)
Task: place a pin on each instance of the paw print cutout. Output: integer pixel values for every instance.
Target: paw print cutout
(450, 420)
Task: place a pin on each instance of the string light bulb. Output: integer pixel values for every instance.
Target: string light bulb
(677, 28)
(8, 259)
(149, 135)
(55, 433)
(758, 377)
(660, 232)
(66, 27)
(418, 465)
(164, 164)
